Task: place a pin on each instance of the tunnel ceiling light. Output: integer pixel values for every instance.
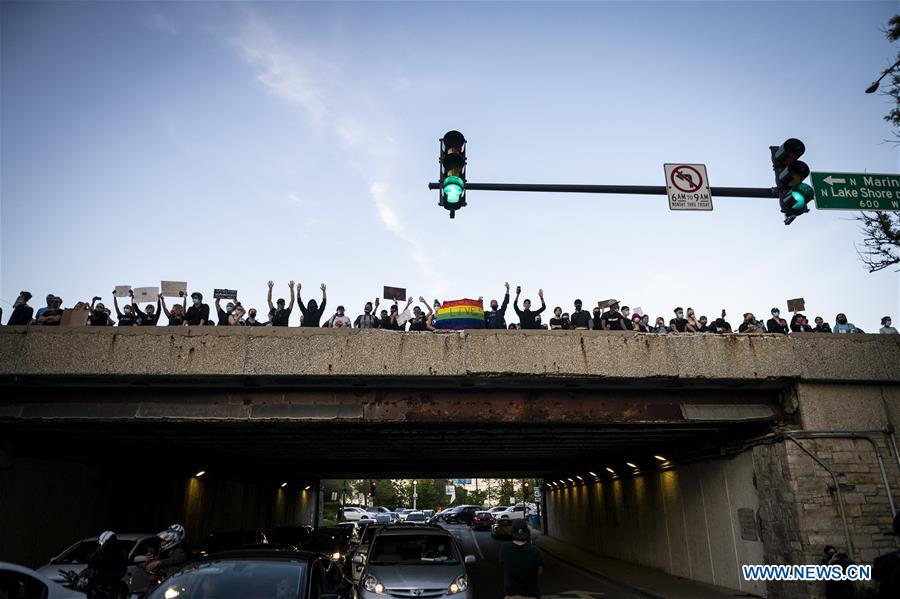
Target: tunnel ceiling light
(611, 471)
(306, 488)
(284, 484)
(579, 478)
(660, 458)
(570, 480)
(199, 474)
(594, 474)
(631, 465)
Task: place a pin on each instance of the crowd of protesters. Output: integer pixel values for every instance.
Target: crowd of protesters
(608, 315)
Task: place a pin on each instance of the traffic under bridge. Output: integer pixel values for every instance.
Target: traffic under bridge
(109, 427)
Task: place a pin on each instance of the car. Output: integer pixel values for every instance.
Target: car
(402, 513)
(463, 514)
(362, 549)
(136, 546)
(515, 512)
(502, 529)
(498, 508)
(18, 581)
(256, 573)
(445, 515)
(428, 513)
(228, 540)
(332, 542)
(290, 535)
(418, 561)
(351, 514)
(483, 520)
(415, 517)
(379, 510)
(381, 518)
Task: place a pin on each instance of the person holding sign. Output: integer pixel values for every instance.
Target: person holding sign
(280, 316)
(149, 317)
(312, 312)
(176, 316)
(127, 318)
(225, 315)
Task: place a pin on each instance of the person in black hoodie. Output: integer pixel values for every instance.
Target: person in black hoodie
(773, 325)
(495, 318)
(312, 312)
(22, 312)
(821, 326)
(526, 316)
(800, 324)
(198, 313)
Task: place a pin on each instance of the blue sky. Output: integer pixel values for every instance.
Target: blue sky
(229, 144)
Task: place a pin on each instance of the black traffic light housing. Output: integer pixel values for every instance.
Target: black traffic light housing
(453, 172)
(794, 195)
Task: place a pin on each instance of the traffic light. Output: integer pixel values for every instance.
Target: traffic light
(372, 488)
(794, 195)
(453, 171)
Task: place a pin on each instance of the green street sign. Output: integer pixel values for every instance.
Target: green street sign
(856, 191)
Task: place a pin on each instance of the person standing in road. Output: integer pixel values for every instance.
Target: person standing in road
(527, 317)
(495, 318)
(523, 564)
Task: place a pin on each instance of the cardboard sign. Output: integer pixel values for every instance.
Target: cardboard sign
(639, 311)
(74, 318)
(607, 303)
(122, 290)
(395, 293)
(796, 305)
(172, 288)
(225, 294)
(145, 294)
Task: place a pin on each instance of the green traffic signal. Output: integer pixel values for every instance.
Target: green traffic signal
(453, 189)
(802, 194)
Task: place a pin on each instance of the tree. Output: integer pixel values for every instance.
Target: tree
(881, 230)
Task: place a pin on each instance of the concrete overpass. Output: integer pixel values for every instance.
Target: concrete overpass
(105, 425)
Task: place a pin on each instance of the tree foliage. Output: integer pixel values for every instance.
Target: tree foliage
(881, 230)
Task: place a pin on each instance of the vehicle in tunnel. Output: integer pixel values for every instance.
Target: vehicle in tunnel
(502, 529)
(19, 582)
(483, 521)
(249, 574)
(332, 542)
(415, 562)
(135, 546)
(216, 542)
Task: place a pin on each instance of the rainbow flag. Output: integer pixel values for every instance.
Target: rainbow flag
(458, 315)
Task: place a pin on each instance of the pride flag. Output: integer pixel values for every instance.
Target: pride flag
(458, 315)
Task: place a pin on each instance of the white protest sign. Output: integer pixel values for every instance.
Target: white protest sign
(145, 294)
(122, 290)
(172, 288)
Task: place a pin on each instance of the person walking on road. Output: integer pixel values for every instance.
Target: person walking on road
(523, 564)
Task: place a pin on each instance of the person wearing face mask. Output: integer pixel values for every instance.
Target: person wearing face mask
(176, 316)
(148, 318)
(627, 321)
(495, 318)
(661, 328)
(226, 313)
(799, 324)
(886, 328)
(198, 313)
(612, 319)
(126, 318)
(527, 317)
(22, 312)
(580, 319)
(637, 324)
(821, 326)
(595, 320)
(251, 321)
(236, 318)
(750, 324)
(280, 316)
(99, 316)
(704, 324)
(842, 326)
(679, 323)
(421, 321)
(368, 320)
(312, 312)
(693, 325)
(773, 325)
(339, 320)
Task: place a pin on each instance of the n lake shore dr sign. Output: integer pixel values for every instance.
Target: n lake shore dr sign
(856, 191)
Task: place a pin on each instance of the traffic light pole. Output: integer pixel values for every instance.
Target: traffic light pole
(733, 192)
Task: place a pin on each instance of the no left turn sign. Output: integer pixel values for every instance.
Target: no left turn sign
(687, 187)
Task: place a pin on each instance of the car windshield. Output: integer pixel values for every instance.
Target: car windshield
(236, 579)
(82, 552)
(482, 514)
(412, 549)
(420, 517)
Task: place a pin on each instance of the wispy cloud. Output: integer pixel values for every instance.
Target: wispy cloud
(312, 86)
(157, 21)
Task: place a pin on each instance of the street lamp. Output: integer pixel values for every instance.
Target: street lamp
(415, 492)
(871, 89)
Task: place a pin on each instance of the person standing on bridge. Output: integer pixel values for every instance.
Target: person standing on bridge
(22, 312)
(312, 312)
(176, 316)
(527, 318)
(368, 320)
(580, 319)
(279, 317)
(198, 314)
(495, 318)
(886, 328)
(523, 564)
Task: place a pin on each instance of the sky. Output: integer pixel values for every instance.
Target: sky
(230, 144)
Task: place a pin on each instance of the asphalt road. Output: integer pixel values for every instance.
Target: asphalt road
(559, 581)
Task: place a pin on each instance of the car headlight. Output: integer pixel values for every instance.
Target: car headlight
(459, 585)
(336, 556)
(370, 583)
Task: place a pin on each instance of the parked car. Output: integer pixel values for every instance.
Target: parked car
(502, 529)
(515, 512)
(415, 517)
(136, 546)
(483, 520)
(463, 515)
(229, 540)
(351, 514)
(20, 582)
(404, 558)
(291, 535)
(499, 508)
(301, 575)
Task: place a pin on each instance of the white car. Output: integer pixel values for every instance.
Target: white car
(515, 512)
(19, 581)
(352, 514)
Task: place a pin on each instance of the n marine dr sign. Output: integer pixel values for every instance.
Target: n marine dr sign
(856, 191)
